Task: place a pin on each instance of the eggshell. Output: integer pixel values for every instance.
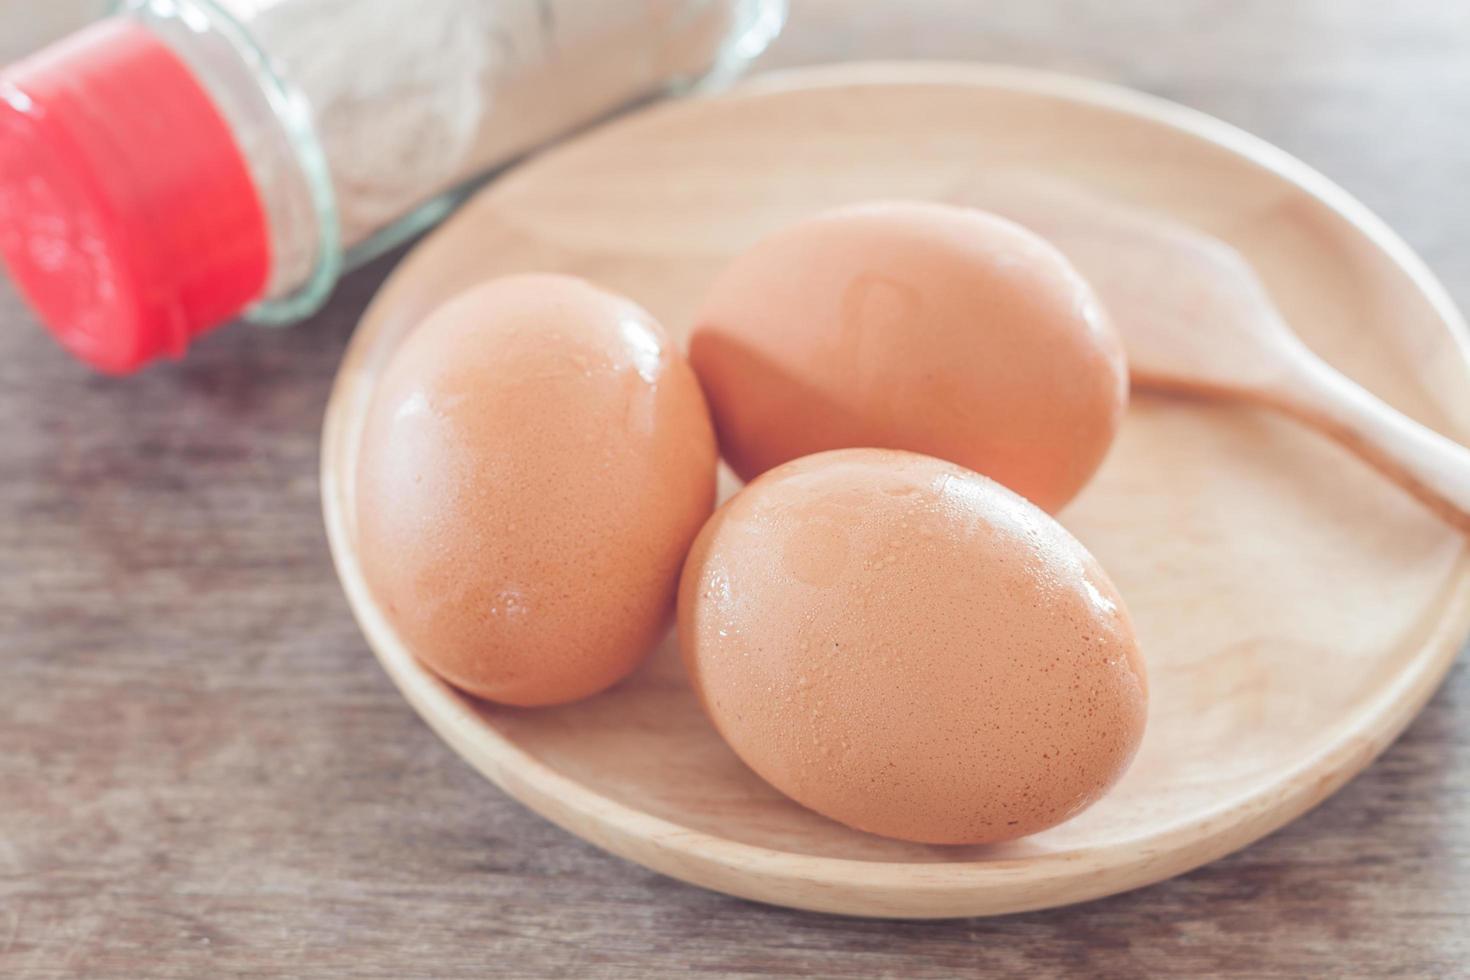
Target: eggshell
(910, 648)
(905, 325)
(536, 460)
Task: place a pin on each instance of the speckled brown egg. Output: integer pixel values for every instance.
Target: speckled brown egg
(906, 325)
(536, 460)
(911, 649)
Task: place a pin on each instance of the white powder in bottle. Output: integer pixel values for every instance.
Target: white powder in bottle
(411, 98)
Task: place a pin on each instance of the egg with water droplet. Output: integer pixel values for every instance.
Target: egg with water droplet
(913, 325)
(967, 716)
(536, 459)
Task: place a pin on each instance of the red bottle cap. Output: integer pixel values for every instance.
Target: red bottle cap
(128, 217)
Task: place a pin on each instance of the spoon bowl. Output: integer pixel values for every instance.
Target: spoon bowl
(1215, 331)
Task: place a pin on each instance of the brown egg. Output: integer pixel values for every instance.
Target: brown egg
(536, 460)
(937, 329)
(910, 648)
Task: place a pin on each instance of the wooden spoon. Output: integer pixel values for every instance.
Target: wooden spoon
(1221, 335)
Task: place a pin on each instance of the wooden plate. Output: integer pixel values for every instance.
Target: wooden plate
(1295, 608)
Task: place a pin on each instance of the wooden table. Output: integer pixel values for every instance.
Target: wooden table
(203, 772)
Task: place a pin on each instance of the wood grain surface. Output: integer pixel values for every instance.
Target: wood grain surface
(203, 772)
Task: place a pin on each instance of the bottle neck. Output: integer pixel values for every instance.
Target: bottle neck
(272, 125)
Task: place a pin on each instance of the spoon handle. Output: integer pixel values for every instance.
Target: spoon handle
(1433, 468)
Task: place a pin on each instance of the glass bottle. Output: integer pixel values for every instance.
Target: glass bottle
(184, 162)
